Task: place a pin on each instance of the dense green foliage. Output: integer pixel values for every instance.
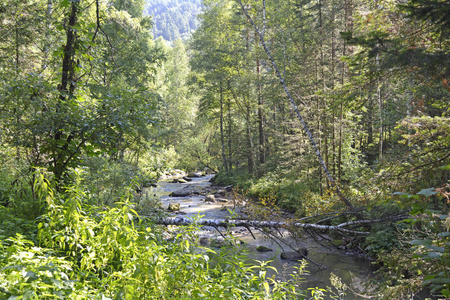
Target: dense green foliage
(371, 80)
(174, 19)
(93, 109)
(84, 253)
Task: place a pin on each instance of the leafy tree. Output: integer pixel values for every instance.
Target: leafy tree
(71, 108)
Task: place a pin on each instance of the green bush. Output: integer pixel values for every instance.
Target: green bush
(11, 225)
(87, 253)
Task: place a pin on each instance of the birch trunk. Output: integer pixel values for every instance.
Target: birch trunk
(299, 116)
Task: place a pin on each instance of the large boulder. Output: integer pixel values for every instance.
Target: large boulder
(295, 255)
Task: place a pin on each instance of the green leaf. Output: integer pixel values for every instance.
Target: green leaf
(416, 209)
(432, 255)
(436, 248)
(445, 292)
(422, 242)
(444, 234)
(428, 192)
(447, 167)
(403, 195)
(437, 280)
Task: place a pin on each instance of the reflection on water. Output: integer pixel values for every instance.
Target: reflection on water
(353, 271)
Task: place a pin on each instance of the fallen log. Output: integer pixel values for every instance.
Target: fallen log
(226, 223)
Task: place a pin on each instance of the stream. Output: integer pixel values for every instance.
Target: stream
(354, 271)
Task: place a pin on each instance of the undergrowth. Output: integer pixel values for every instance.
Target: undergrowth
(89, 252)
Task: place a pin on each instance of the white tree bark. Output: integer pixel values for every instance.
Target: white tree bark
(299, 116)
(226, 223)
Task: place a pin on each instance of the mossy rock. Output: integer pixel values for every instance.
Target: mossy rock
(174, 207)
(262, 248)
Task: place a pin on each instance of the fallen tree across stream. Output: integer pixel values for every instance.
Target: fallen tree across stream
(227, 223)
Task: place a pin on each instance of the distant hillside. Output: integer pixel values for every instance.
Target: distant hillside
(174, 19)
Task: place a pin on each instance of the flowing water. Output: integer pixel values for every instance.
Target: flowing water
(354, 271)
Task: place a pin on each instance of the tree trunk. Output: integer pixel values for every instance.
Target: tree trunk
(299, 116)
(333, 67)
(47, 33)
(251, 154)
(260, 111)
(380, 107)
(222, 138)
(66, 89)
(227, 223)
(230, 161)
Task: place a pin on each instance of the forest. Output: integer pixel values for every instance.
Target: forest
(173, 20)
(334, 113)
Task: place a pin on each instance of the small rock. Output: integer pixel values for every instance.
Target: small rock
(174, 207)
(208, 171)
(228, 188)
(223, 200)
(179, 172)
(210, 198)
(187, 178)
(295, 255)
(179, 194)
(195, 174)
(220, 192)
(179, 180)
(261, 248)
(205, 241)
(218, 243)
(149, 184)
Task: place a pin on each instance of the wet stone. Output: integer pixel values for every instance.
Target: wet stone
(219, 243)
(195, 174)
(262, 248)
(179, 194)
(174, 207)
(294, 255)
(179, 180)
(210, 198)
(204, 241)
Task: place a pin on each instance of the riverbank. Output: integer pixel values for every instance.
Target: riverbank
(195, 199)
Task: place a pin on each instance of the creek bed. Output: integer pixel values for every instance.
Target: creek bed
(353, 270)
